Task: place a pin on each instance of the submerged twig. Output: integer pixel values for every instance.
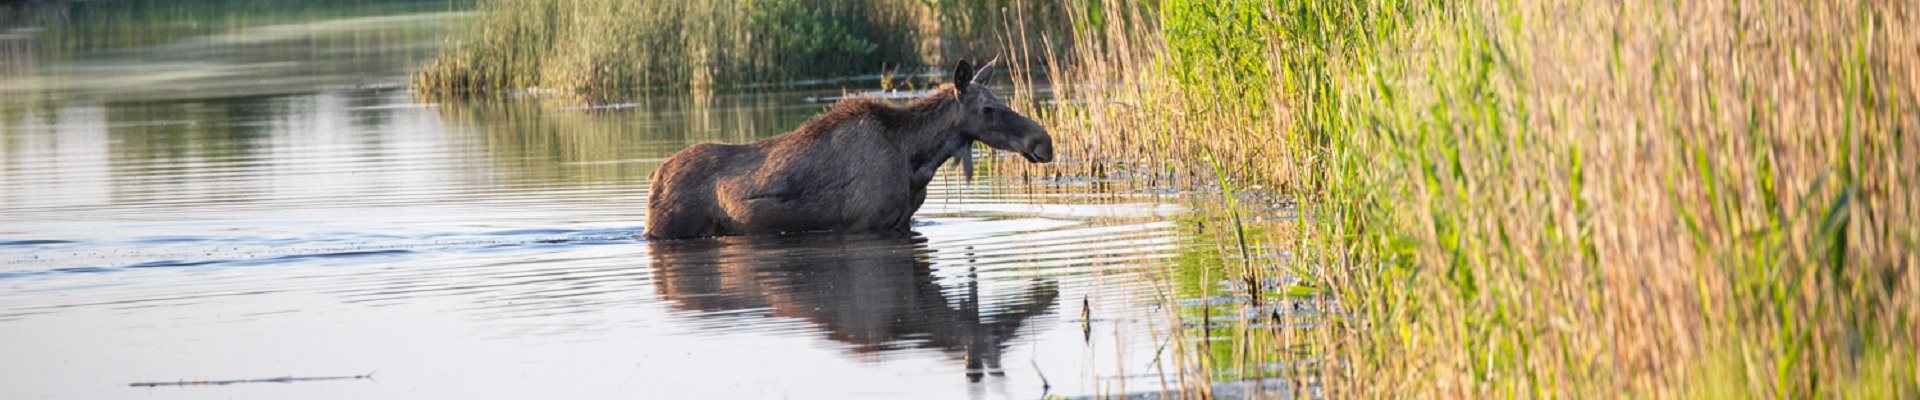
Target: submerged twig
(1045, 386)
(283, 379)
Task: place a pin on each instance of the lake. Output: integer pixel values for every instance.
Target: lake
(245, 191)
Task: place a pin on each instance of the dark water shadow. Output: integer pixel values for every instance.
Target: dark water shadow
(874, 294)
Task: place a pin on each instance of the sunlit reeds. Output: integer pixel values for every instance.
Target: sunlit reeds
(613, 47)
(1544, 199)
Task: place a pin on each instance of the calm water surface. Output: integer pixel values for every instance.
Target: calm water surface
(238, 193)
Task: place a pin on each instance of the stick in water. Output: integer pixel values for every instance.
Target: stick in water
(283, 379)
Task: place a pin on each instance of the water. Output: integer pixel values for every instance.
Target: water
(245, 190)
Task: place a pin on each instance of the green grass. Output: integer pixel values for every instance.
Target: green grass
(1550, 199)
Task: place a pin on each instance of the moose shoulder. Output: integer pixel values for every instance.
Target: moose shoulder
(862, 166)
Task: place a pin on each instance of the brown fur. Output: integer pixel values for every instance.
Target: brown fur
(861, 166)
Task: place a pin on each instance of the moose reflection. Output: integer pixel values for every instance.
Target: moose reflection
(874, 293)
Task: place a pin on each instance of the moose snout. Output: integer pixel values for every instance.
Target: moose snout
(1039, 148)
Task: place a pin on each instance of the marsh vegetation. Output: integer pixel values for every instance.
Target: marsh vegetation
(1543, 199)
(605, 46)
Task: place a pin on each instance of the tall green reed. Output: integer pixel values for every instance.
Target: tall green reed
(1553, 199)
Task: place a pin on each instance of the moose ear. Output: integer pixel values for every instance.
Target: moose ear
(985, 72)
(962, 75)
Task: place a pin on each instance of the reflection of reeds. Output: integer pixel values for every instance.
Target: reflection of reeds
(532, 141)
(18, 57)
(139, 50)
(19, 49)
(71, 27)
(1546, 199)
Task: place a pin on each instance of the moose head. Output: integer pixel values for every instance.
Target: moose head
(987, 119)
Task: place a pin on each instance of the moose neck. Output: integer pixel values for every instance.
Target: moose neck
(934, 136)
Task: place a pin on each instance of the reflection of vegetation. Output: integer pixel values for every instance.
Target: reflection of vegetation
(623, 46)
(69, 67)
(218, 130)
(1547, 199)
(77, 26)
(148, 49)
(180, 138)
(533, 142)
(1233, 328)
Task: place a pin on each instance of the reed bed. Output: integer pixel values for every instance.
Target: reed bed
(611, 47)
(1531, 199)
(618, 45)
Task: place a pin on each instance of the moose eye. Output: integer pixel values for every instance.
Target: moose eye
(986, 110)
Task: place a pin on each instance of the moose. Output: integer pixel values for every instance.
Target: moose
(862, 166)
